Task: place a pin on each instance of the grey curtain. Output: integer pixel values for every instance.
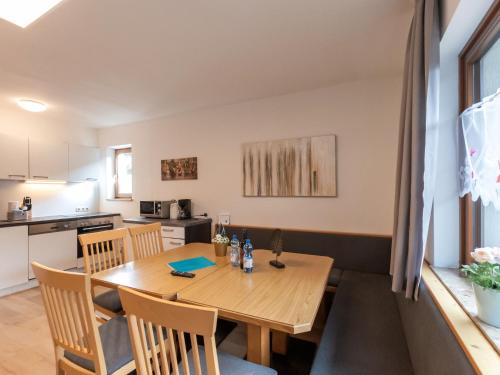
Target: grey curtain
(417, 149)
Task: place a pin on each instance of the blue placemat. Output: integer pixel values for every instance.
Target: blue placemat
(191, 264)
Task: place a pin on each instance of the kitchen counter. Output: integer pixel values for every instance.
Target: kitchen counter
(168, 222)
(53, 219)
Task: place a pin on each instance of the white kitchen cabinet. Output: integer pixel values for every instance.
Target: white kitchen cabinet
(13, 256)
(173, 237)
(172, 243)
(83, 163)
(173, 232)
(48, 161)
(13, 157)
(57, 250)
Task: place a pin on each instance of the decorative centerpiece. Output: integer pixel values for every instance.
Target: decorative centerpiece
(485, 277)
(277, 248)
(220, 242)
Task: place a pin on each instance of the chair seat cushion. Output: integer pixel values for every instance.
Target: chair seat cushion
(115, 344)
(109, 300)
(228, 365)
(334, 277)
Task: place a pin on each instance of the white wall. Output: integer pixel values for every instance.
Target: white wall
(47, 199)
(364, 115)
(467, 16)
(447, 8)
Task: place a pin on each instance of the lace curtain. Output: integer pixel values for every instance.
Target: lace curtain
(480, 151)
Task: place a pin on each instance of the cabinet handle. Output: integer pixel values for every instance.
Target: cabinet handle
(91, 179)
(17, 175)
(175, 243)
(168, 230)
(41, 177)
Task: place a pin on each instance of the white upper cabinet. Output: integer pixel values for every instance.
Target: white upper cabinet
(83, 163)
(48, 161)
(13, 157)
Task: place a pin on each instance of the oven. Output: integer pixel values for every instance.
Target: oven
(85, 226)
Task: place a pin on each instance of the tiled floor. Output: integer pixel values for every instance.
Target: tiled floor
(25, 343)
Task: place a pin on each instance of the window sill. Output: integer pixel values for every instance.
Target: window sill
(462, 291)
(120, 199)
(479, 348)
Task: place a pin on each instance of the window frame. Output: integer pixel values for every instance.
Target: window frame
(481, 40)
(117, 152)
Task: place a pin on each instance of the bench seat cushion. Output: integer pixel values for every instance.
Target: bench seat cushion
(363, 333)
(334, 277)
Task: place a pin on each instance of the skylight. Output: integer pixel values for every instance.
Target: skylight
(24, 12)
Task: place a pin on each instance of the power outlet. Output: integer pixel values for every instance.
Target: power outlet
(225, 219)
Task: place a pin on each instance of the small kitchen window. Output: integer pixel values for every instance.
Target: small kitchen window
(122, 178)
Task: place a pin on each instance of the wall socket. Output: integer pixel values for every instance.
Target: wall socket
(82, 209)
(225, 218)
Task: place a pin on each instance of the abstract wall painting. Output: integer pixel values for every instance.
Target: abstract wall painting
(179, 169)
(300, 167)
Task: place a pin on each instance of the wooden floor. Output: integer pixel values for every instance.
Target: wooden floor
(25, 344)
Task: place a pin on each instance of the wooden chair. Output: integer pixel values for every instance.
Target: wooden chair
(169, 327)
(77, 340)
(146, 240)
(101, 251)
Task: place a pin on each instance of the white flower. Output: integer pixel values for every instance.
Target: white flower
(486, 254)
(219, 238)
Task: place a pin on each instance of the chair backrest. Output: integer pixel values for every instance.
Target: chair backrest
(103, 250)
(151, 318)
(146, 240)
(70, 312)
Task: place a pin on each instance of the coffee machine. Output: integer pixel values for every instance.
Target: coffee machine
(184, 209)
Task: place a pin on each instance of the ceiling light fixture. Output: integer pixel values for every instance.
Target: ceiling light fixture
(24, 12)
(31, 105)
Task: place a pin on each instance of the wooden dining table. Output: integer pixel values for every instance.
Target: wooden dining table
(285, 300)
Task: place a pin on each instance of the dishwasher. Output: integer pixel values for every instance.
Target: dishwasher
(53, 245)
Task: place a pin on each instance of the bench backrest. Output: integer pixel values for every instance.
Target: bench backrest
(351, 251)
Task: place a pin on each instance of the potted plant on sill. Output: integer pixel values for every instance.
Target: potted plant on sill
(485, 277)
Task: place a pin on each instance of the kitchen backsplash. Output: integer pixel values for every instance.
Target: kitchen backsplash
(50, 199)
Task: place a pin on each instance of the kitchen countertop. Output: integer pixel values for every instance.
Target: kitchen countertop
(53, 219)
(168, 222)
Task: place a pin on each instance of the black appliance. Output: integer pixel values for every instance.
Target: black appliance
(84, 226)
(27, 205)
(184, 209)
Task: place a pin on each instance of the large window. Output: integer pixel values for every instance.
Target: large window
(123, 172)
(489, 82)
(480, 77)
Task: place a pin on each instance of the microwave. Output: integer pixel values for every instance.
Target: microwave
(155, 209)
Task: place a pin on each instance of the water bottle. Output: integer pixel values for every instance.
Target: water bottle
(235, 251)
(242, 243)
(248, 257)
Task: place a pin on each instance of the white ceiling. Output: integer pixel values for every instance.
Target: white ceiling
(110, 62)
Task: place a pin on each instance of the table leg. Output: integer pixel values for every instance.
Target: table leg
(258, 348)
(279, 342)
